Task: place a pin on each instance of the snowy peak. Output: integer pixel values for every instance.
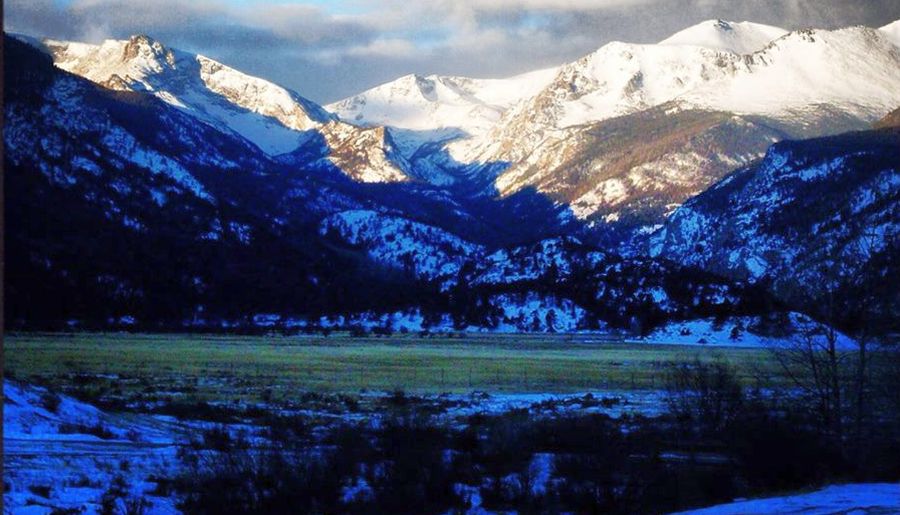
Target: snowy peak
(118, 64)
(431, 102)
(144, 48)
(275, 119)
(740, 38)
(797, 73)
(892, 30)
(268, 115)
(794, 72)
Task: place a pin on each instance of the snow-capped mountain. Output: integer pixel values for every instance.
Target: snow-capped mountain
(268, 115)
(793, 74)
(785, 89)
(788, 72)
(130, 208)
(275, 119)
(424, 114)
(476, 202)
(625, 174)
(893, 32)
(752, 84)
(740, 38)
(127, 206)
(439, 102)
(537, 130)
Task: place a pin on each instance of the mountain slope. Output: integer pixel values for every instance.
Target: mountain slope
(123, 208)
(275, 119)
(129, 210)
(892, 119)
(788, 79)
(813, 217)
(269, 116)
(439, 102)
(892, 30)
(795, 73)
(424, 114)
(614, 181)
(624, 174)
(526, 287)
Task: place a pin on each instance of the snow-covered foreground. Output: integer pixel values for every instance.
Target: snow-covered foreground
(59, 453)
(62, 454)
(858, 499)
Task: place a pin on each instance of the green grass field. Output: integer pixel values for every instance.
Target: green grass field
(242, 367)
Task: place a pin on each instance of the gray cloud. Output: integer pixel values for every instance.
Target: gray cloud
(326, 56)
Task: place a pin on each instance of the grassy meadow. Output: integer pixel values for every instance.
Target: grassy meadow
(246, 367)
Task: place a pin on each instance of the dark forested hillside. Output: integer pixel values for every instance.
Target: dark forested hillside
(817, 219)
(120, 206)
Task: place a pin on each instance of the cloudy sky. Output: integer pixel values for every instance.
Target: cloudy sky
(329, 49)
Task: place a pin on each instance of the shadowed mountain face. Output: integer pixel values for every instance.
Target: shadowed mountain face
(816, 218)
(118, 204)
(627, 173)
(892, 119)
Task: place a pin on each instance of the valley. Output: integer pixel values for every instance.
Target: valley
(219, 368)
(659, 277)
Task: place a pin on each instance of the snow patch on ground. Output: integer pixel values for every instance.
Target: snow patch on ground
(860, 498)
(738, 332)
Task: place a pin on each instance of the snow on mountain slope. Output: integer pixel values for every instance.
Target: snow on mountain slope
(275, 119)
(555, 257)
(422, 250)
(424, 114)
(554, 284)
(630, 171)
(735, 67)
(617, 79)
(743, 332)
(893, 32)
(811, 215)
(438, 102)
(69, 119)
(365, 154)
(270, 116)
(561, 141)
(533, 312)
(788, 79)
(799, 71)
(740, 38)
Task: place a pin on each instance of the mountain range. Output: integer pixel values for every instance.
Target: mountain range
(704, 176)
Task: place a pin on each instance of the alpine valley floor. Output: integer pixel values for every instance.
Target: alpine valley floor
(220, 368)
